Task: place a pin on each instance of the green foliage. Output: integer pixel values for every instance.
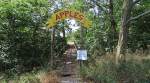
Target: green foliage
(134, 71)
(139, 35)
(24, 43)
(106, 72)
(24, 78)
(100, 39)
(102, 72)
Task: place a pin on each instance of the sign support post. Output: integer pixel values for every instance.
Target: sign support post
(81, 52)
(81, 43)
(52, 47)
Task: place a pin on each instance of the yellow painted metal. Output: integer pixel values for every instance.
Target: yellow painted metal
(71, 14)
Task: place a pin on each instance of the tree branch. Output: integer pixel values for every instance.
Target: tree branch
(100, 6)
(97, 4)
(138, 16)
(136, 1)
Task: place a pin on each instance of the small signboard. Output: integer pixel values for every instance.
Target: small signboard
(81, 54)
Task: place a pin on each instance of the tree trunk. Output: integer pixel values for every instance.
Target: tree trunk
(63, 31)
(64, 39)
(82, 38)
(52, 47)
(113, 23)
(122, 42)
(112, 20)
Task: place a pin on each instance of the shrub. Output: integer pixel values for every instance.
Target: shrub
(33, 77)
(103, 72)
(131, 71)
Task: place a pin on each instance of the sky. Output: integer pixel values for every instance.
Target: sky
(73, 25)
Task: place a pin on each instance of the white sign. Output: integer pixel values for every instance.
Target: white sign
(81, 54)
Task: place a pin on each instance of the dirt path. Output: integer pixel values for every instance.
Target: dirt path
(70, 70)
(70, 74)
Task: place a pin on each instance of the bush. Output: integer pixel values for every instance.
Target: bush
(103, 72)
(26, 78)
(127, 72)
(133, 71)
(33, 77)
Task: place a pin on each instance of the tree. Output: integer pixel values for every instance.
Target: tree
(24, 40)
(112, 19)
(126, 18)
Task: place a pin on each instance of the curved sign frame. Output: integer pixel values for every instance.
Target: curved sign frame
(68, 14)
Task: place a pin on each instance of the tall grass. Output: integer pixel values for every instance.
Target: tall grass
(105, 71)
(33, 77)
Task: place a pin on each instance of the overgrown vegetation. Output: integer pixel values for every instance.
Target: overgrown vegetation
(42, 76)
(105, 71)
(119, 27)
(25, 41)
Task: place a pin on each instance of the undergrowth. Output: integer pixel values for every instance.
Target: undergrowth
(105, 71)
(32, 77)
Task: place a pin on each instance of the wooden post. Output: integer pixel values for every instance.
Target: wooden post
(81, 43)
(52, 47)
(64, 35)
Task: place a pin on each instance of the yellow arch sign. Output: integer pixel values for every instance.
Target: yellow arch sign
(64, 14)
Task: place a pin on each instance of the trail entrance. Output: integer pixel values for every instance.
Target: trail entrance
(67, 14)
(69, 70)
(69, 73)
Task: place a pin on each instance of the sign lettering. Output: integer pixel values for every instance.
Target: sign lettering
(64, 14)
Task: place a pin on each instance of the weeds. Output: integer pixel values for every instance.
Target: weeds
(32, 77)
(105, 71)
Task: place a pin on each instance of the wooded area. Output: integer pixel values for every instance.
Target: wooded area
(117, 40)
